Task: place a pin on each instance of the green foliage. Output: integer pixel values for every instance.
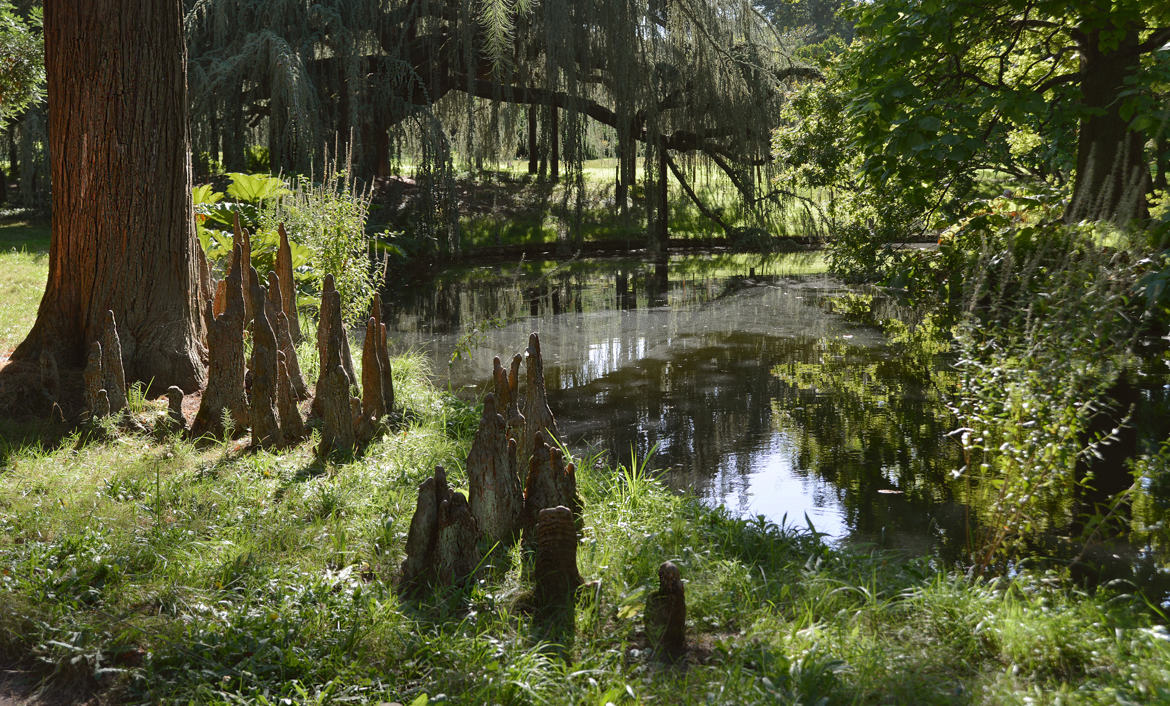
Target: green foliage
(206, 165)
(257, 159)
(1155, 284)
(249, 192)
(818, 153)
(937, 105)
(214, 223)
(22, 67)
(255, 188)
(328, 220)
(820, 18)
(1050, 326)
(207, 575)
(325, 225)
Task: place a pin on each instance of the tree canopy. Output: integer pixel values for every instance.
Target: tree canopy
(684, 75)
(938, 93)
(22, 68)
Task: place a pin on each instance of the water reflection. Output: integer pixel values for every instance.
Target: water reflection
(756, 396)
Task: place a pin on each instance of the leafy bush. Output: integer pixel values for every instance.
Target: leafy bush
(328, 219)
(325, 224)
(22, 66)
(257, 159)
(1049, 326)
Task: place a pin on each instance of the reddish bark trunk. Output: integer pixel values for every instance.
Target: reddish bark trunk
(123, 237)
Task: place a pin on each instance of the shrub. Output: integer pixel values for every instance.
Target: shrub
(1049, 325)
(325, 222)
(328, 219)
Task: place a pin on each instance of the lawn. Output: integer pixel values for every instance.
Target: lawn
(24, 262)
(505, 206)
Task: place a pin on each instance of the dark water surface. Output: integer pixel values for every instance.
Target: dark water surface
(754, 393)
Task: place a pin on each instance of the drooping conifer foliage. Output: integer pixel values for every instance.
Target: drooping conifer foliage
(384, 77)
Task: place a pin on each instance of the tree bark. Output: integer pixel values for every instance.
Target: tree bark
(533, 163)
(1113, 178)
(661, 232)
(554, 144)
(123, 236)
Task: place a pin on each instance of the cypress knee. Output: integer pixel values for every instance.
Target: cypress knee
(292, 427)
(288, 290)
(440, 546)
(456, 556)
(225, 369)
(265, 428)
(555, 574)
(337, 432)
(284, 338)
(373, 408)
(423, 534)
(244, 238)
(666, 613)
(387, 380)
(550, 483)
(219, 304)
(492, 479)
(175, 408)
(538, 418)
(506, 397)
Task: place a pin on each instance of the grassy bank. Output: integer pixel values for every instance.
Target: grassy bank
(506, 206)
(161, 571)
(150, 569)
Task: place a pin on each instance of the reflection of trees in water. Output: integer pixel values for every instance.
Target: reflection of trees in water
(443, 304)
(853, 417)
(672, 364)
(706, 407)
(721, 372)
(865, 420)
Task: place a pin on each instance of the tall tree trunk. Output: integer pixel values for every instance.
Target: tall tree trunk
(533, 163)
(1112, 179)
(622, 190)
(234, 140)
(123, 235)
(661, 232)
(554, 144)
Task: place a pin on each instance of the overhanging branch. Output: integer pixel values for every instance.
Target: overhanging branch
(682, 180)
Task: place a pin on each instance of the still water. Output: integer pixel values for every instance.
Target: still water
(754, 394)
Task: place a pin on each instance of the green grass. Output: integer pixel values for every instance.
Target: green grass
(162, 571)
(24, 260)
(155, 570)
(507, 206)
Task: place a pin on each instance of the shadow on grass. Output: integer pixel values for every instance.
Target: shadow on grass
(25, 236)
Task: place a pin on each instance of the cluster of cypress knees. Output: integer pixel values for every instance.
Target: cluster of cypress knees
(263, 395)
(449, 533)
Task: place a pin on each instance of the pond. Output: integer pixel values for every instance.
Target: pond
(735, 370)
(752, 385)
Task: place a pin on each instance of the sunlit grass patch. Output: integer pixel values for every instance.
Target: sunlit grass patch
(24, 260)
